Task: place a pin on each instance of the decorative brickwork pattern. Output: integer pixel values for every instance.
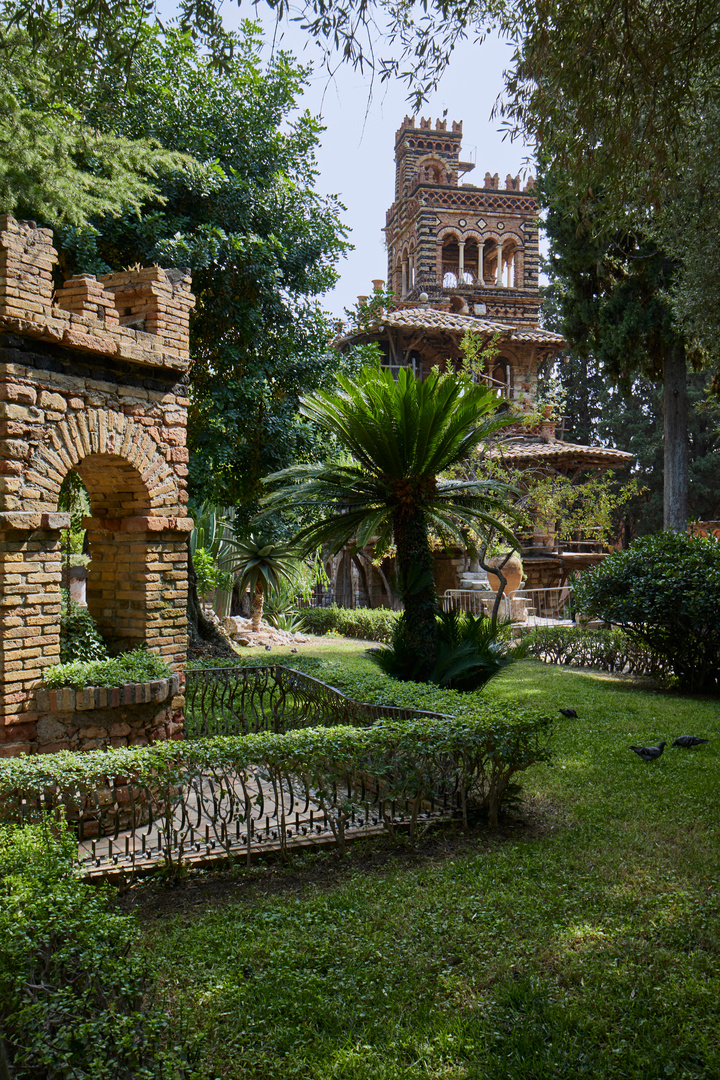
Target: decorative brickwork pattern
(91, 379)
(444, 236)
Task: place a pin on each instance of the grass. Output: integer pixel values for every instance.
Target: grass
(582, 941)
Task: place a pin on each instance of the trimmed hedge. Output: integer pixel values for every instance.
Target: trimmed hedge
(368, 624)
(412, 760)
(138, 666)
(604, 650)
(75, 998)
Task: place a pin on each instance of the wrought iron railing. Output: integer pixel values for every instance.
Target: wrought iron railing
(243, 700)
(203, 806)
(210, 813)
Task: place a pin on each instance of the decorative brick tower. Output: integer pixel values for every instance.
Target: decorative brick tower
(91, 379)
(476, 248)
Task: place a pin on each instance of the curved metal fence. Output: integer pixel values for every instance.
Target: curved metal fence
(241, 701)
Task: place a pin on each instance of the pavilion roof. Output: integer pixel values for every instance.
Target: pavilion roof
(526, 450)
(431, 319)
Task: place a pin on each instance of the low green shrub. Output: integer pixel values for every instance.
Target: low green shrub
(75, 998)
(415, 760)
(79, 637)
(664, 591)
(367, 624)
(137, 666)
(605, 650)
(471, 650)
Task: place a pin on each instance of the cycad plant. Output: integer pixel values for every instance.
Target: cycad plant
(471, 651)
(401, 437)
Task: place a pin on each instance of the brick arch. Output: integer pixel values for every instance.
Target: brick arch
(95, 441)
(448, 230)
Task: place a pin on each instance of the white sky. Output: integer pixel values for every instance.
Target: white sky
(356, 159)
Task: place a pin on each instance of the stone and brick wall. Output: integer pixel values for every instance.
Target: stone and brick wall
(92, 378)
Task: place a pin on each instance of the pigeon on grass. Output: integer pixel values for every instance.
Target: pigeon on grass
(686, 741)
(571, 714)
(649, 753)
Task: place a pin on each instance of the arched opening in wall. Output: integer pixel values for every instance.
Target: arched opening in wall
(430, 172)
(510, 263)
(499, 376)
(490, 259)
(119, 550)
(73, 499)
(450, 261)
(470, 262)
(397, 282)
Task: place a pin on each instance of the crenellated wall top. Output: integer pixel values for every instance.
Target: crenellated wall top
(141, 316)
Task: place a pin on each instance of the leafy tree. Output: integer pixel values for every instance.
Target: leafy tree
(629, 416)
(625, 100)
(613, 303)
(261, 244)
(62, 68)
(664, 591)
(401, 437)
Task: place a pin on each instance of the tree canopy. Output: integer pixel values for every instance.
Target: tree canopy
(260, 241)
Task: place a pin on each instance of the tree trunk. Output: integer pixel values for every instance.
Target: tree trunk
(417, 584)
(201, 632)
(257, 607)
(675, 494)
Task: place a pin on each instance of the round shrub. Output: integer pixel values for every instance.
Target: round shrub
(664, 591)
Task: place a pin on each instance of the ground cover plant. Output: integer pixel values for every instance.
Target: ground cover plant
(582, 939)
(76, 998)
(137, 666)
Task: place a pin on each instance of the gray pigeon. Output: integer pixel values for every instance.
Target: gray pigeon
(570, 713)
(687, 741)
(649, 753)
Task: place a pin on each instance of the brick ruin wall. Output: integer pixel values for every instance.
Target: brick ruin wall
(92, 378)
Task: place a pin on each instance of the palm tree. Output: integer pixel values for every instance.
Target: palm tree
(400, 437)
(261, 567)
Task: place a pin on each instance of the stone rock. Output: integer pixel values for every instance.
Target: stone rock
(50, 730)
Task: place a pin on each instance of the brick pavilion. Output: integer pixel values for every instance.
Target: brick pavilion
(92, 378)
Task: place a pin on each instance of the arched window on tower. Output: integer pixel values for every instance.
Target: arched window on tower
(450, 261)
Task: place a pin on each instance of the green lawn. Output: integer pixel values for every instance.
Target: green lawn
(581, 940)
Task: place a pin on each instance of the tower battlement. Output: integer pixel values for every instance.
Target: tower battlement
(455, 241)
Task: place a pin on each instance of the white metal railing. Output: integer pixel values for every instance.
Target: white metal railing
(475, 602)
(553, 604)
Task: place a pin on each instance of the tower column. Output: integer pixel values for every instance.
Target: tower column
(461, 262)
(411, 271)
(481, 266)
(498, 275)
(404, 277)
